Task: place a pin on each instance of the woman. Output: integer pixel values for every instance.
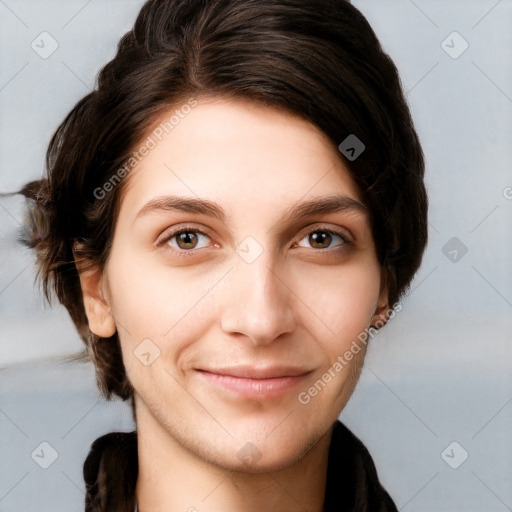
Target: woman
(228, 218)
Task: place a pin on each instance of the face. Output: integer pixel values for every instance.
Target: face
(242, 267)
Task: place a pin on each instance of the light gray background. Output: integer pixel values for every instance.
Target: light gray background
(439, 372)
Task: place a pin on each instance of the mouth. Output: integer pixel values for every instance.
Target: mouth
(254, 383)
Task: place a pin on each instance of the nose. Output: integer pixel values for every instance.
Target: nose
(257, 302)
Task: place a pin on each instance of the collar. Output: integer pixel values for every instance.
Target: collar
(111, 467)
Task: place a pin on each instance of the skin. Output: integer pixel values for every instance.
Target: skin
(299, 303)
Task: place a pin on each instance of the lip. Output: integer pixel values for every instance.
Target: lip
(251, 372)
(254, 383)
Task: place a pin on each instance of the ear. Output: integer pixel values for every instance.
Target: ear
(97, 308)
(381, 311)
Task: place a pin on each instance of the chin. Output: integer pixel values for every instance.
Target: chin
(264, 449)
(268, 459)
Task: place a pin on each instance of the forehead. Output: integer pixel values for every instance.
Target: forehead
(238, 153)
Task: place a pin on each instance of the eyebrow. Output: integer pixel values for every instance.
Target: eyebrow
(298, 211)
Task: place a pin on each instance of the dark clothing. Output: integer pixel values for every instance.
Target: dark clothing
(110, 473)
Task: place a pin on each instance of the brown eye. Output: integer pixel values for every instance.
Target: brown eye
(186, 240)
(322, 239)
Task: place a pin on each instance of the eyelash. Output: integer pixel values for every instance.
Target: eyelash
(188, 253)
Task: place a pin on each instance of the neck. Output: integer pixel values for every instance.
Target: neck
(173, 478)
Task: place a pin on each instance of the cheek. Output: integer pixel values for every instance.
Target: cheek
(342, 299)
(151, 301)
(158, 314)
